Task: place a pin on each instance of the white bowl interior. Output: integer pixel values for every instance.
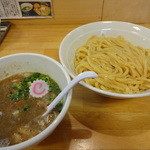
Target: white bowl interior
(26, 4)
(136, 34)
(28, 62)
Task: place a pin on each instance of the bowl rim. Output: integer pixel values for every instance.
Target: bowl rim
(26, 4)
(42, 135)
(106, 93)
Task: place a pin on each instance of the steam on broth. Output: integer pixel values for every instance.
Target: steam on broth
(20, 113)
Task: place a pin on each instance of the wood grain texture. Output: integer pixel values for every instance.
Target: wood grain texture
(93, 122)
(137, 11)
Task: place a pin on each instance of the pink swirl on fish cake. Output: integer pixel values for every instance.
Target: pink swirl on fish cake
(38, 88)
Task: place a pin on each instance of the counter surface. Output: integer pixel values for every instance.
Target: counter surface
(93, 122)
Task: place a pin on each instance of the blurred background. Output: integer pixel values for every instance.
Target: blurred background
(85, 11)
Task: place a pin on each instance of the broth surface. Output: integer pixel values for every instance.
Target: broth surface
(20, 120)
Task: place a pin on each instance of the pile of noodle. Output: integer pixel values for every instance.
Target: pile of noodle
(121, 66)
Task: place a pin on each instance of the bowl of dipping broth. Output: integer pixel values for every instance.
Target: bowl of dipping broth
(26, 7)
(117, 51)
(29, 82)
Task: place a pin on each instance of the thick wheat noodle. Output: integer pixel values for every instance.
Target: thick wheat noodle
(121, 66)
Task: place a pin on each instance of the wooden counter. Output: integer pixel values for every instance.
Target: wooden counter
(93, 122)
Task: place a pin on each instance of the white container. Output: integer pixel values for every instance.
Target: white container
(23, 5)
(136, 34)
(29, 62)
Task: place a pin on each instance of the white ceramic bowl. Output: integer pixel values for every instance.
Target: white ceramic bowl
(23, 5)
(136, 34)
(28, 62)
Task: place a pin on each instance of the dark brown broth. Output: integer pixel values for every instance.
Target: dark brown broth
(13, 125)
